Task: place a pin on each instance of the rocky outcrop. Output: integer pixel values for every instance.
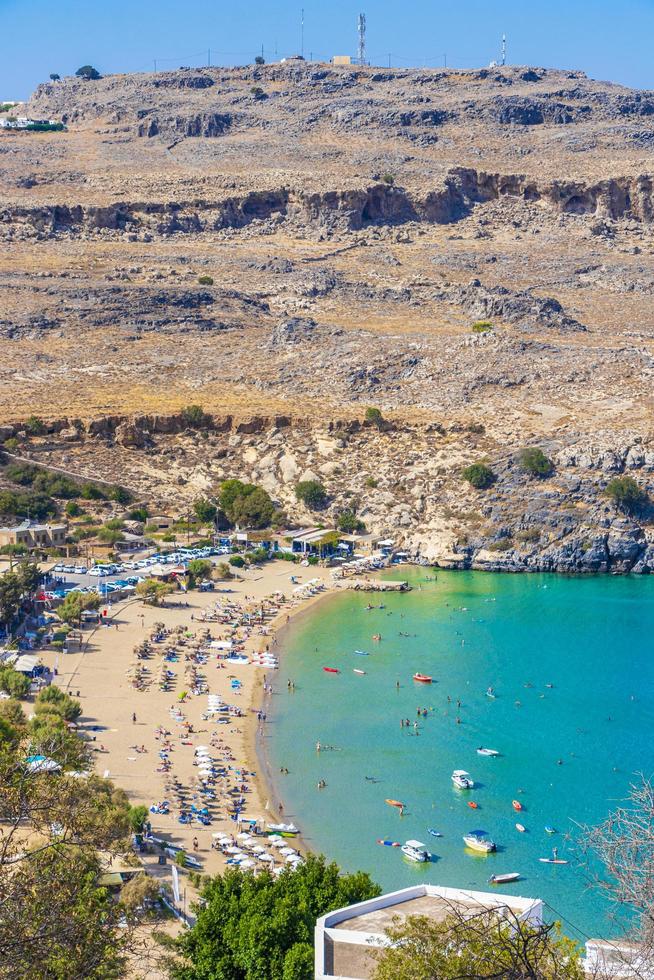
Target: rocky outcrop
(203, 124)
(523, 308)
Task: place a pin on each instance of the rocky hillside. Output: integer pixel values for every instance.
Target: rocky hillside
(299, 242)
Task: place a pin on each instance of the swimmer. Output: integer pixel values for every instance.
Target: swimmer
(318, 746)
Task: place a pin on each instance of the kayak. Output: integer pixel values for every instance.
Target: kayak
(359, 671)
(552, 861)
(396, 803)
(472, 804)
(519, 827)
(389, 843)
(422, 678)
(361, 653)
(331, 670)
(516, 804)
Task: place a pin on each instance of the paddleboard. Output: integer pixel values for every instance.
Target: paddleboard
(520, 828)
(396, 803)
(358, 671)
(331, 670)
(552, 861)
(389, 843)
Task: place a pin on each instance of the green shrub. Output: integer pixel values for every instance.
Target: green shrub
(535, 462)
(625, 493)
(502, 544)
(388, 179)
(236, 561)
(257, 92)
(349, 523)
(194, 416)
(374, 416)
(372, 482)
(205, 511)
(205, 280)
(479, 475)
(312, 494)
(482, 326)
(35, 426)
(531, 534)
(139, 514)
(115, 524)
(91, 491)
(73, 509)
(11, 444)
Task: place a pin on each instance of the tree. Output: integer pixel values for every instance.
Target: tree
(312, 494)
(624, 845)
(256, 510)
(236, 561)
(259, 60)
(138, 817)
(205, 511)
(257, 927)
(53, 697)
(535, 462)
(223, 570)
(488, 944)
(54, 77)
(14, 683)
(153, 592)
(625, 493)
(12, 712)
(479, 475)
(74, 604)
(73, 509)
(14, 586)
(138, 514)
(88, 72)
(57, 921)
(197, 569)
(349, 523)
(120, 495)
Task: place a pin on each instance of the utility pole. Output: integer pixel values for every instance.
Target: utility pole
(209, 57)
(445, 59)
(155, 65)
(389, 61)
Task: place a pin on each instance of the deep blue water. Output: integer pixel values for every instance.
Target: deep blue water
(569, 751)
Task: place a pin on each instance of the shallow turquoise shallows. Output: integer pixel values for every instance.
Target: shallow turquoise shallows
(570, 663)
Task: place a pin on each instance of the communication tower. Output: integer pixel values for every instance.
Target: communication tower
(503, 49)
(362, 39)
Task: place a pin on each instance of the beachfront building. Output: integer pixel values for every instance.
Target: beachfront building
(321, 542)
(31, 534)
(344, 939)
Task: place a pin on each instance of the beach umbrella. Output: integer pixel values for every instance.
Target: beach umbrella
(291, 858)
(275, 839)
(234, 851)
(287, 851)
(277, 871)
(258, 849)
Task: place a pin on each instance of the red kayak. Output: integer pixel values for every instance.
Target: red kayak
(331, 670)
(473, 805)
(422, 678)
(517, 805)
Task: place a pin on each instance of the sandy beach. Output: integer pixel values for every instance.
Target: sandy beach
(146, 738)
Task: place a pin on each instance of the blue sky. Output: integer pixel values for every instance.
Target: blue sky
(608, 40)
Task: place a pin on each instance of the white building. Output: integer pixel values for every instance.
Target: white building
(345, 938)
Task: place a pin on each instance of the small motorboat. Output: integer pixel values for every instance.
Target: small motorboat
(550, 830)
(479, 840)
(473, 805)
(520, 828)
(361, 653)
(389, 843)
(552, 861)
(414, 850)
(331, 670)
(489, 752)
(422, 678)
(462, 779)
(516, 804)
(434, 833)
(490, 693)
(355, 671)
(504, 879)
(396, 803)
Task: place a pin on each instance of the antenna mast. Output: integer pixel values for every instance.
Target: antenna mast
(362, 39)
(503, 49)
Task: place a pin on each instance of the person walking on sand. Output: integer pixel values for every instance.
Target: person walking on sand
(133, 717)
(195, 844)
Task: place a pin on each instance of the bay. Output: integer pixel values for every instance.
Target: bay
(569, 660)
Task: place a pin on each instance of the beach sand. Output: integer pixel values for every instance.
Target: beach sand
(101, 675)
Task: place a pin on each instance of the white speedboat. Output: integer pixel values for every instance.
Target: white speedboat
(482, 751)
(414, 850)
(504, 879)
(462, 779)
(479, 840)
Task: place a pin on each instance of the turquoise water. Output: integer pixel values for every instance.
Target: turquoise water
(569, 751)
